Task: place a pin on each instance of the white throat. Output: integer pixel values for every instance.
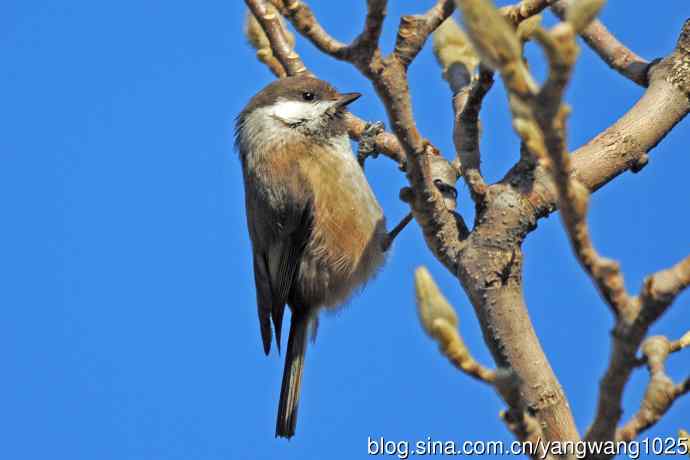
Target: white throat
(291, 112)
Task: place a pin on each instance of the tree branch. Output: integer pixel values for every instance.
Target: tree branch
(415, 29)
(657, 294)
(524, 10)
(490, 266)
(674, 347)
(368, 40)
(660, 394)
(661, 289)
(466, 131)
(606, 45)
(634, 316)
(276, 36)
(258, 39)
(365, 44)
(625, 144)
(303, 19)
(573, 197)
(440, 322)
(456, 56)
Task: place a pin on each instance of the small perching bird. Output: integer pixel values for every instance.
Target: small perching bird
(316, 228)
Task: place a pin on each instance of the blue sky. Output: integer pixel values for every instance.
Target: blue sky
(128, 327)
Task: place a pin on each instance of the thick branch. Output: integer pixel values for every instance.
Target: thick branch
(490, 271)
(490, 267)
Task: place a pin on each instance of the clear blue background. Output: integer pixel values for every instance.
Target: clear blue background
(127, 318)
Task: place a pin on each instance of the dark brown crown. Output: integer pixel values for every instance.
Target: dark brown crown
(292, 89)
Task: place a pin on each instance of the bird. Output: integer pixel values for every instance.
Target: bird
(317, 230)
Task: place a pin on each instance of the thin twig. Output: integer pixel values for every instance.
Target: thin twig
(614, 53)
(660, 394)
(458, 60)
(367, 42)
(304, 21)
(440, 321)
(466, 131)
(661, 289)
(657, 294)
(674, 347)
(524, 10)
(274, 31)
(302, 17)
(415, 29)
(561, 51)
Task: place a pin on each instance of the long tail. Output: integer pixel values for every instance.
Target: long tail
(292, 376)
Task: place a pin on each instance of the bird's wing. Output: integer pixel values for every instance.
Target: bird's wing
(276, 261)
(264, 298)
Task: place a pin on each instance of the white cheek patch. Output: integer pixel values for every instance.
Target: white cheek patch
(298, 111)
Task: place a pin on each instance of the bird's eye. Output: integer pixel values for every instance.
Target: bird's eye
(308, 96)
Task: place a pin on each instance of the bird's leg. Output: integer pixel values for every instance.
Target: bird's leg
(444, 176)
(397, 229)
(368, 141)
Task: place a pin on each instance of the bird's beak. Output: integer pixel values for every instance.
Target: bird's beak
(346, 98)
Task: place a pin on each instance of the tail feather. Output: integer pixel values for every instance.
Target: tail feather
(292, 376)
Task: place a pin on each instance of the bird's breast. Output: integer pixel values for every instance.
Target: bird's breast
(348, 227)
